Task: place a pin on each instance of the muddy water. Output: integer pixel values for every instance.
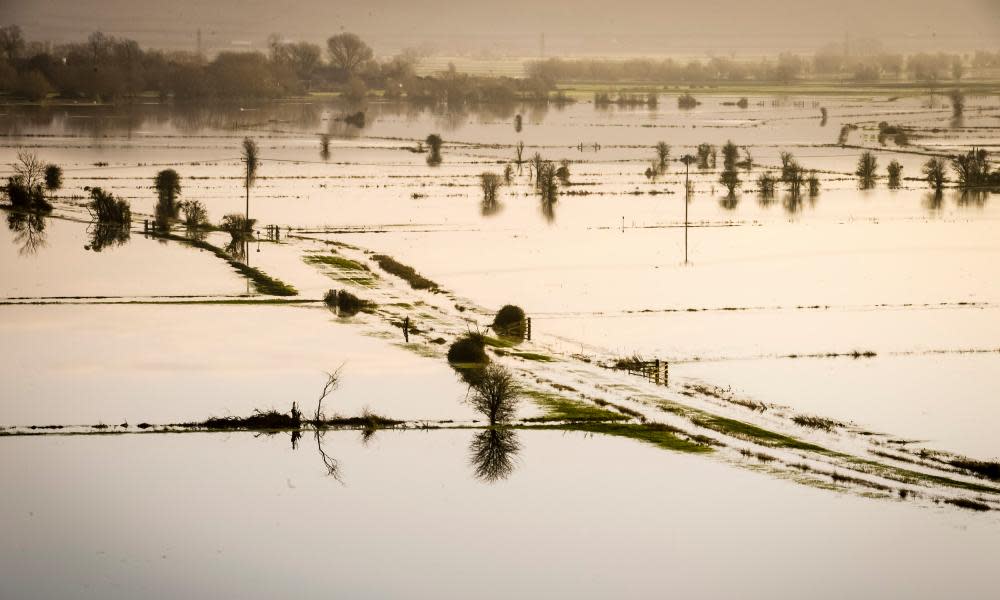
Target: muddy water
(196, 514)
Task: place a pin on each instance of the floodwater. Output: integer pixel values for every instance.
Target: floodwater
(204, 514)
(878, 309)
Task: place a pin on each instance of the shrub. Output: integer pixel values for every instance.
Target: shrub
(53, 177)
(345, 302)
(107, 209)
(195, 215)
(468, 349)
(510, 322)
(237, 225)
(765, 184)
(687, 101)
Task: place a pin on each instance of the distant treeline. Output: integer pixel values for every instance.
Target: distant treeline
(110, 69)
(786, 68)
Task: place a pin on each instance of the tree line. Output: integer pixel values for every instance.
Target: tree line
(112, 69)
(785, 68)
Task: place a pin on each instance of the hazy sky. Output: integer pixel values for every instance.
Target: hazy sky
(622, 26)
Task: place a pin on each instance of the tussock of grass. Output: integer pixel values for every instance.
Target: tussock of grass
(558, 408)
(336, 261)
(409, 274)
(968, 504)
(817, 422)
(752, 433)
(271, 419)
(984, 469)
(532, 356)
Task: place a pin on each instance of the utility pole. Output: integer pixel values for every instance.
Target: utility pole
(687, 159)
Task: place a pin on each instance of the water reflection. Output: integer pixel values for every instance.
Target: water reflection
(107, 235)
(933, 201)
(548, 208)
(972, 198)
(729, 201)
(29, 230)
(329, 462)
(492, 453)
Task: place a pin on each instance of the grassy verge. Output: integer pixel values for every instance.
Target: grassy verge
(752, 433)
(407, 273)
(338, 262)
(558, 408)
(657, 434)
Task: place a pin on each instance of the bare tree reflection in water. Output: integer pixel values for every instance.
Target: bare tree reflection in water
(792, 203)
(492, 453)
(238, 247)
(107, 235)
(549, 210)
(29, 231)
(933, 200)
(972, 198)
(331, 464)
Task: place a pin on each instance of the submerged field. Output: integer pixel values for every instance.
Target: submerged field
(833, 358)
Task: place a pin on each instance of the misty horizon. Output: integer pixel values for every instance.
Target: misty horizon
(523, 29)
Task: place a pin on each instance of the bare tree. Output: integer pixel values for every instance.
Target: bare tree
(332, 381)
(348, 52)
(495, 394)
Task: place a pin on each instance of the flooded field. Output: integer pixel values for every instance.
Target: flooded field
(826, 380)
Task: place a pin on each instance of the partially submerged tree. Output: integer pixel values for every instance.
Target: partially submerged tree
(434, 143)
(972, 170)
(866, 171)
(496, 394)
(813, 183)
(107, 209)
(662, 154)
(730, 154)
(706, 156)
(195, 215)
(562, 172)
(168, 186)
(934, 172)
(324, 146)
(237, 226)
(765, 184)
(895, 171)
(957, 102)
(490, 183)
(251, 160)
(731, 180)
